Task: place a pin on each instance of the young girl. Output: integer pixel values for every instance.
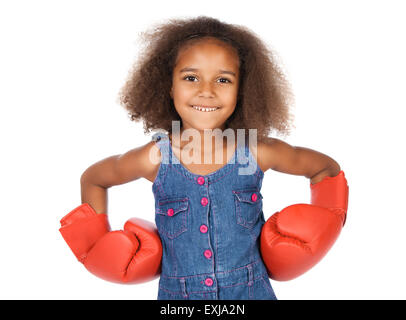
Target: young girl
(204, 75)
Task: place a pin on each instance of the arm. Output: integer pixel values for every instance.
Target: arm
(131, 255)
(280, 156)
(296, 238)
(116, 170)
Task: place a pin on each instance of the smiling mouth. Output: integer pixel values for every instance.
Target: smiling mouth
(205, 109)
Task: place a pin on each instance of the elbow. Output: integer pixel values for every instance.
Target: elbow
(334, 168)
(331, 170)
(84, 178)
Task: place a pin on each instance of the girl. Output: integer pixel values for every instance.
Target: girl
(205, 75)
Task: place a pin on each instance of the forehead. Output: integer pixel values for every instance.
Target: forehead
(208, 48)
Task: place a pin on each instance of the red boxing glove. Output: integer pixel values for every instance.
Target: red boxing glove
(132, 255)
(298, 237)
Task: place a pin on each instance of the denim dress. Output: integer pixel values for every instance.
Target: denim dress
(209, 227)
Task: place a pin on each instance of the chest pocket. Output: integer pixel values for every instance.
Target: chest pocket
(248, 206)
(172, 216)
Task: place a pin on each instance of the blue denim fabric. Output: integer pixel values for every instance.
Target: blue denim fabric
(232, 221)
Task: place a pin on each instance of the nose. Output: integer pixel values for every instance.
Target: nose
(206, 90)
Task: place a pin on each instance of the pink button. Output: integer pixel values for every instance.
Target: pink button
(208, 282)
(204, 201)
(170, 212)
(200, 180)
(207, 254)
(203, 228)
(254, 197)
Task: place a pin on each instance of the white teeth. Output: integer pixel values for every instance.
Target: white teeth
(204, 109)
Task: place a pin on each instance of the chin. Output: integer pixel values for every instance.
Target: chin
(207, 125)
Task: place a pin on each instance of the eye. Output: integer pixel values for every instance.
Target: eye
(189, 77)
(226, 80)
(194, 79)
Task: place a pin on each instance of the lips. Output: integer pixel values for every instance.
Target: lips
(205, 108)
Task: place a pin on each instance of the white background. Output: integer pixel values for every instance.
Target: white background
(62, 64)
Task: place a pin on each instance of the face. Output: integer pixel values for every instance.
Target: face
(205, 84)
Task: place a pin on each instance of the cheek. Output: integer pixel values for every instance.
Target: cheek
(231, 96)
(182, 92)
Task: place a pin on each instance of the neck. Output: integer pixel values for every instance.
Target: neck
(200, 140)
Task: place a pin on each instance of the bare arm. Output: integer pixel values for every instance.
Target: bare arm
(116, 170)
(280, 156)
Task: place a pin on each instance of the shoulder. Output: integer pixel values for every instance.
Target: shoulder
(271, 153)
(140, 162)
(145, 160)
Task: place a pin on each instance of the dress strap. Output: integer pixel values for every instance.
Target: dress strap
(162, 141)
(246, 160)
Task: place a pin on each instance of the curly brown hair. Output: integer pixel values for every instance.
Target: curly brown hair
(264, 96)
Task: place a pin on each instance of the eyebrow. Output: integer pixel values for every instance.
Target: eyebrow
(194, 70)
